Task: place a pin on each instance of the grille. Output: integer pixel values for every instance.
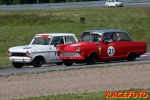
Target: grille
(19, 54)
(70, 54)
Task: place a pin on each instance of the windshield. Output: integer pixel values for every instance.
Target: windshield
(91, 37)
(40, 41)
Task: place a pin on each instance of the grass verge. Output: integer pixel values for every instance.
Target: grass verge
(91, 96)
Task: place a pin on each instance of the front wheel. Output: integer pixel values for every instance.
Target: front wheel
(91, 59)
(17, 65)
(37, 62)
(67, 63)
(107, 6)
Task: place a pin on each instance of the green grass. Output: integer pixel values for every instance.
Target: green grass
(18, 27)
(88, 96)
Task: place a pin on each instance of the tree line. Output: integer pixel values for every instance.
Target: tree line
(13, 2)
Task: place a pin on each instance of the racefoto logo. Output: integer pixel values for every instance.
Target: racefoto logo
(128, 94)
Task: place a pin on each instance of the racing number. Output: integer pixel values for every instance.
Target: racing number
(111, 50)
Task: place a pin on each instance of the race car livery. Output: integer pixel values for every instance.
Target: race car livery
(101, 45)
(42, 49)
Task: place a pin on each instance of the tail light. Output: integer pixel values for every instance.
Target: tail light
(8, 53)
(28, 53)
(58, 48)
(78, 49)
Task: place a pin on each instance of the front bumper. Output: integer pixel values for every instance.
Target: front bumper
(21, 59)
(71, 56)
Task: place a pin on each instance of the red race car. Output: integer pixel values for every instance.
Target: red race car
(101, 46)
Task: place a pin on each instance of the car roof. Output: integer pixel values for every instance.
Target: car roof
(106, 30)
(57, 34)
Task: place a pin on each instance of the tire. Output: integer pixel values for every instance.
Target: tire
(107, 61)
(107, 6)
(91, 59)
(17, 65)
(67, 63)
(131, 57)
(116, 5)
(59, 63)
(37, 62)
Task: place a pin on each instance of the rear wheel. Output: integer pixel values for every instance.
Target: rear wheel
(17, 65)
(59, 63)
(37, 62)
(91, 59)
(67, 63)
(131, 57)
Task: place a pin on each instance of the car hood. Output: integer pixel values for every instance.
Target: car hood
(30, 48)
(72, 47)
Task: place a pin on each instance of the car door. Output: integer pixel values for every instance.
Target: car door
(110, 50)
(125, 43)
(112, 3)
(56, 40)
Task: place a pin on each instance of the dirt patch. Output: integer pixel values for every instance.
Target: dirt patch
(73, 81)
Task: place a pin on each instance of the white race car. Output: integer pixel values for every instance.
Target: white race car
(113, 3)
(42, 49)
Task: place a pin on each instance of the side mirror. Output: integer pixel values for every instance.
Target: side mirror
(106, 42)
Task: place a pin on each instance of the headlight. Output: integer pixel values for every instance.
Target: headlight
(28, 53)
(78, 49)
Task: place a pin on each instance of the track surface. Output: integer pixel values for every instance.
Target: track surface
(143, 59)
(67, 5)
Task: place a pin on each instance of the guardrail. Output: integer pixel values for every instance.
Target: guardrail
(62, 5)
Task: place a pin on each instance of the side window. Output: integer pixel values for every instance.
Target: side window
(69, 39)
(88, 37)
(98, 38)
(111, 37)
(57, 40)
(41, 41)
(123, 37)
